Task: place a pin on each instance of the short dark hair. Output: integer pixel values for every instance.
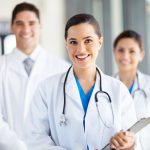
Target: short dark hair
(130, 34)
(24, 6)
(82, 18)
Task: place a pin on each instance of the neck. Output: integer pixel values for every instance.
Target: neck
(27, 51)
(127, 78)
(86, 77)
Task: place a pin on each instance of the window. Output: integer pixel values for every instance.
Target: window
(9, 43)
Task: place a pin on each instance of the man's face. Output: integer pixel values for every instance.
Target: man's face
(26, 27)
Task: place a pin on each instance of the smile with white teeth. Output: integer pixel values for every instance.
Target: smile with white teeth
(82, 56)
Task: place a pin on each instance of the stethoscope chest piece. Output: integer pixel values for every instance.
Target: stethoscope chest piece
(63, 120)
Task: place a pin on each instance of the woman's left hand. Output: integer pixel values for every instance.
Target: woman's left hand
(123, 141)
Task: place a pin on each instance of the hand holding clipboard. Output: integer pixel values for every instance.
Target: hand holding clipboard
(139, 125)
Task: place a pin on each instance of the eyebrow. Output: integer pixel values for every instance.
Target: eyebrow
(83, 38)
(87, 37)
(18, 21)
(72, 39)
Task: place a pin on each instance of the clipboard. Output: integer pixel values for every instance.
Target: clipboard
(139, 125)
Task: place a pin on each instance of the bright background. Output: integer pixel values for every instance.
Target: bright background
(113, 15)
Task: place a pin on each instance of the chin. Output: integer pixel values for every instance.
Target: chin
(126, 69)
(83, 66)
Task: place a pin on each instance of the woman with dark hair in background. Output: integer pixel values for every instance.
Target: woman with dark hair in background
(129, 52)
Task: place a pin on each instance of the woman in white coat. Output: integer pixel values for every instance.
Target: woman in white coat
(128, 52)
(67, 112)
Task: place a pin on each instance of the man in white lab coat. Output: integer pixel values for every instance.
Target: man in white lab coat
(20, 77)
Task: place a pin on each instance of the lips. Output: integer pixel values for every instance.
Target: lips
(82, 57)
(26, 36)
(124, 62)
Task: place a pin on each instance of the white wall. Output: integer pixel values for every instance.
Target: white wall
(53, 22)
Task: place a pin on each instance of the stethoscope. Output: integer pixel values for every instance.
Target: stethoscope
(63, 120)
(139, 89)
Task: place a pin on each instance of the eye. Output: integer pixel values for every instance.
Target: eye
(121, 50)
(32, 23)
(19, 23)
(88, 41)
(132, 51)
(73, 42)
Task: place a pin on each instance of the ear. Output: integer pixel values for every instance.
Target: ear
(66, 43)
(142, 54)
(100, 42)
(11, 28)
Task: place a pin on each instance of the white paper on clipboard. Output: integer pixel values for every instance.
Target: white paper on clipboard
(139, 125)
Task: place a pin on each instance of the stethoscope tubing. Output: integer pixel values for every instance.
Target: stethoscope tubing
(96, 94)
(138, 88)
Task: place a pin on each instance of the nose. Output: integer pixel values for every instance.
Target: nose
(26, 28)
(125, 55)
(81, 48)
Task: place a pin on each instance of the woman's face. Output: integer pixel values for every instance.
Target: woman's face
(128, 54)
(83, 45)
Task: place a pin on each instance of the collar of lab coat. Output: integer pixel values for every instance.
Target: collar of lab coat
(20, 56)
(141, 81)
(15, 59)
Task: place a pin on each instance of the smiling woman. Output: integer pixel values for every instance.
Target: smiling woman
(68, 104)
(83, 48)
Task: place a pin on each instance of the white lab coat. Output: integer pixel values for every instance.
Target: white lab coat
(142, 106)
(43, 122)
(17, 89)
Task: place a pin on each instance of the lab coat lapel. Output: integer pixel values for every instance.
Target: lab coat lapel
(92, 122)
(14, 64)
(72, 89)
(40, 64)
(35, 77)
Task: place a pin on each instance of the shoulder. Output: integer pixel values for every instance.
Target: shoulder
(59, 61)
(54, 57)
(116, 88)
(114, 82)
(55, 62)
(143, 76)
(7, 57)
(52, 82)
(144, 80)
